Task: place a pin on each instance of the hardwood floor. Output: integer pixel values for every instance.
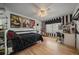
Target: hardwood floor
(48, 47)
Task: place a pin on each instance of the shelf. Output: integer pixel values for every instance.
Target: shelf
(2, 51)
(2, 42)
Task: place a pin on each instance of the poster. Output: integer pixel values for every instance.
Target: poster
(21, 22)
(15, 21)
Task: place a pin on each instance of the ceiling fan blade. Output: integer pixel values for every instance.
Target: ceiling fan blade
(37, 7)
(49, 7)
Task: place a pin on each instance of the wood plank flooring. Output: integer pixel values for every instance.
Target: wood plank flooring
(48, 47)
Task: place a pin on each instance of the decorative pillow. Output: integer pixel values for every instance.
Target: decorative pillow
(10, 35)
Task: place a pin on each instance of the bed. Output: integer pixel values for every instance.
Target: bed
(23, 40)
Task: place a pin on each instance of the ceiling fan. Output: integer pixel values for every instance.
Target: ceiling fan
(41, 10)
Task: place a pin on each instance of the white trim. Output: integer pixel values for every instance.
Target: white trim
(5, 42)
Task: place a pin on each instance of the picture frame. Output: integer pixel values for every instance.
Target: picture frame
(21, 22)
(15, 21)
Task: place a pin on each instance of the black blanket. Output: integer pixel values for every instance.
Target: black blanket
(24, 40)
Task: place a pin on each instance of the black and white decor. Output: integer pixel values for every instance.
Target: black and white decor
(64, 20)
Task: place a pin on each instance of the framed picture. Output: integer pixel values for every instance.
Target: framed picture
(32, 23)
(26, 23)
(21, 22)
(15, 22)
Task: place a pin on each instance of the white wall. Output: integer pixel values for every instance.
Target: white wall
(56, 27)
(1, 5)
(53, 28)
(49, 28)
(38, 28)
(0, 23)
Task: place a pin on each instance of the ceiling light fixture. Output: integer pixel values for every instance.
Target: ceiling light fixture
(42, 12)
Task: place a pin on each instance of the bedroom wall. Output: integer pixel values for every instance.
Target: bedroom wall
(49, 28)
(22, 29)
(1, 5)
(53, 28)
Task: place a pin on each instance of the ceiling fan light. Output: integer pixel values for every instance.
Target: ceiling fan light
(42, 13)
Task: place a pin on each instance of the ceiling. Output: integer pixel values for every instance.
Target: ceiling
(31, 9)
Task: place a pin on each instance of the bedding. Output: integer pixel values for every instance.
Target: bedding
(25, 40)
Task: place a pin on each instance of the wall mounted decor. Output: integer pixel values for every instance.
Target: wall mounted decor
(15, 22)
(76, 15)
(26, 23)
(32, 23)
(21, 22)
(51, 21)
